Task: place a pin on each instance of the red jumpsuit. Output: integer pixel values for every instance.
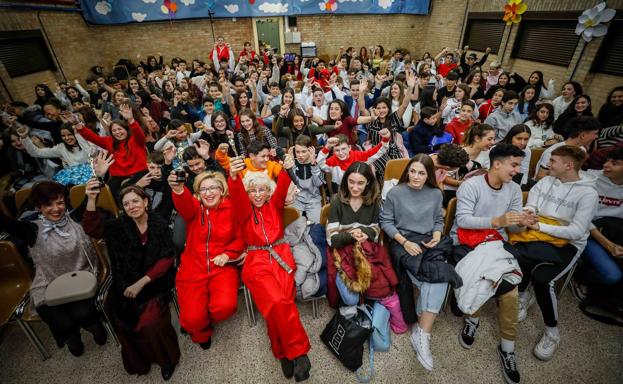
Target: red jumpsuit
(272, 288)
(207, 293)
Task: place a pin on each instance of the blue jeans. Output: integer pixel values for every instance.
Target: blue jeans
(600, 267)
(431, 295)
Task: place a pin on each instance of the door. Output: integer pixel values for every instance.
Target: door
(268, 33)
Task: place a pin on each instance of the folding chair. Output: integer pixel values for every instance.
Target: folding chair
(534, 160)
(20, 198)
(394, 168)
(15, 281)
(105, 279)
(105, 199)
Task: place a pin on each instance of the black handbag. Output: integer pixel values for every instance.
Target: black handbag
(345, 338)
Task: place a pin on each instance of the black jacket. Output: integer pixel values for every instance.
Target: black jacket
(130, 260)
(430, 267)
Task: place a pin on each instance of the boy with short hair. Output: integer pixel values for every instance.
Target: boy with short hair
(259, 161)
(421, 135)
(308, 178)
(505, 116)
(583, 130)
(569, 203)
(493, 202)
(460, 124)
(343, 156)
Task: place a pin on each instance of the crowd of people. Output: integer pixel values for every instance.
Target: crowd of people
(204, 156)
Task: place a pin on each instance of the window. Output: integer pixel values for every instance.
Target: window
(483, 33)
(24, 52)
(292, 21)
(610, 57)
(546, 41)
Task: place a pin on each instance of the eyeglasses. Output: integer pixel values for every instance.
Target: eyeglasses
(209, 189)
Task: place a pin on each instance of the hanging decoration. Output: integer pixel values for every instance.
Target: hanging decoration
(513, 11)
(169, 8)
(590, 21)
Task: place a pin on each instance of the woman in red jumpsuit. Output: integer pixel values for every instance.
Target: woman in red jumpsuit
(268, 270)
(206, 281)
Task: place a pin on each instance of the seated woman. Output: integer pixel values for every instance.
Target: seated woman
(414, 248)
(252, 131)
(127, 145)
(267, 270)
(353, 231)
(287, 134)
(58, 245)
(141, 256)
(26, 170)
(206, 281)
(74, 152)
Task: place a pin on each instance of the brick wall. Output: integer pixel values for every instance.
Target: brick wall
(335, 31)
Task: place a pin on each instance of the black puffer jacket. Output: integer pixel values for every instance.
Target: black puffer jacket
(430, 267)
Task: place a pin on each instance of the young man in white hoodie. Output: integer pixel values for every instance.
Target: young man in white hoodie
(570, 200)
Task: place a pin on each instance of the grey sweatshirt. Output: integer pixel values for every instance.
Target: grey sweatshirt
(503, 122)
(412, 210)
(478, 203)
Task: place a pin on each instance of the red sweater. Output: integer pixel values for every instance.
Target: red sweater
(444, 69)
(130, 157)
(457, 129)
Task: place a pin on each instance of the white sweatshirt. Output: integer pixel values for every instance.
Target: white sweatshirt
(572, 204)
(610, 195)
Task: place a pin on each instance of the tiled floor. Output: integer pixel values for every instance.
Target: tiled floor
(590, 352)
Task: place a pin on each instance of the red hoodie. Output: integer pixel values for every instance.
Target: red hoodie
(457, 129)
(130, 157)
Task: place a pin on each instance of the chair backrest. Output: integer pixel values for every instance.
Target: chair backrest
(449, 219)
(20, 197)
(324, 214)
(15, 280)
(534, 160)
(102, 256)
(289, 215)
(105, 200)
(394, 168)
(524, 197)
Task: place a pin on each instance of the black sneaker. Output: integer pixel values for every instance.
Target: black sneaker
(509, 366)
(468, 334)
(301, 368)
(287, 367)
(75, 345)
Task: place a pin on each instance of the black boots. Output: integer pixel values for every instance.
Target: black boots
(301, 368)
(206, 344)
(287, 367)
(75, 346)
(167, 372)
(99, 333)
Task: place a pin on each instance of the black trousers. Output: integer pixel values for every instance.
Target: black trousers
(542, 265)
(66, 320)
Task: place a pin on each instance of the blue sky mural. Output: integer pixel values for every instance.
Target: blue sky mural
(140, 11)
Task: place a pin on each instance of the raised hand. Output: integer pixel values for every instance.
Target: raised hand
(126, 112)
(102, 162)
(203, 148)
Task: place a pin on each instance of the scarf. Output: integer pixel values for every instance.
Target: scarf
(49, 226)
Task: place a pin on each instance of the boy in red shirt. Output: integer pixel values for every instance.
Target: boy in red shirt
(459, 125)
(343, 156)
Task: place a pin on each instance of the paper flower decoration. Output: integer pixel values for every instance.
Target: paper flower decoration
(513, 11)
(589, 22)
(329, 5)
(169, 8)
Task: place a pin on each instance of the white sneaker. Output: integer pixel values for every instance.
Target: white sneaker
(526, 299)
(546, 347)
(421, 345)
